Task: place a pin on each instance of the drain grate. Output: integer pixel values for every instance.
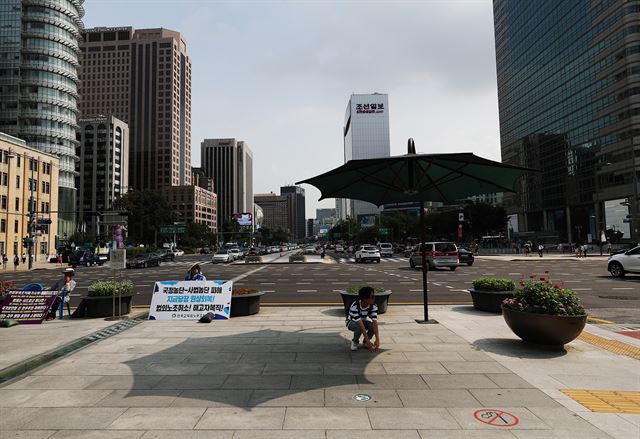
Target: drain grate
(362, 397)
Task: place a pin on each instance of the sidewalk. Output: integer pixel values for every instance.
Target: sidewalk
(287, 373)
(37, 265)
(534, 257)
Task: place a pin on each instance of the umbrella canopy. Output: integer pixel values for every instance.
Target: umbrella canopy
(417, 177)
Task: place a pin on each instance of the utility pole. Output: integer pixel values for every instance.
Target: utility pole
(31, 216)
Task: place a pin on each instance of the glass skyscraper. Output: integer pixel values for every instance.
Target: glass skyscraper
(39, 84)
(569, 100)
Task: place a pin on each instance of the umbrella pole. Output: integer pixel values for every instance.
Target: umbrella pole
(425, 269)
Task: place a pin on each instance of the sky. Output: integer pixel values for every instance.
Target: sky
(278, 75)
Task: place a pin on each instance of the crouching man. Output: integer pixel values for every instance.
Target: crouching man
(362, 319)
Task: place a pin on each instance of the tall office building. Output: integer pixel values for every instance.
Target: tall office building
(229, 162)
(366, 136)
(275, 210)
(326, 213)
(568, 75)
(39, 84)
(103, 171)
(296, 211)
(142, 77)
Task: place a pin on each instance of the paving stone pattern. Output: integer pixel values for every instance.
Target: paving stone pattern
(284, 373)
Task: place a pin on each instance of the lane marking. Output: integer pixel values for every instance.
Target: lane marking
(307, 291)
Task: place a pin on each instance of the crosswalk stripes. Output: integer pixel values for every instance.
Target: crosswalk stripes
(353, 260)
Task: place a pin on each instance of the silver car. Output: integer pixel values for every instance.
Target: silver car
(624, 262)
(439, 254)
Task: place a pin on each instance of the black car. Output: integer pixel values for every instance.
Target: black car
(166, 255)
(84, 258)
(465, 256)
(144, 260)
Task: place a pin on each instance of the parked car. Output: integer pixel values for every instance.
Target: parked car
(223, 256)
(166, 255)
(386, 249)
(465, 256)
(144, 260)
(236, 252)
(178, 252)
(620, 264)
(84, 258)
(408, 251)
(339, 248)
(368, 253)
(439, 254)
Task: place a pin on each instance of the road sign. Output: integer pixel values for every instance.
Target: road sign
(461, 216)
(118, 258)
(178, 230)
(44, 221)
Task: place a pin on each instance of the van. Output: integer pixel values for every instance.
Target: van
(438, 254)
(386, 249)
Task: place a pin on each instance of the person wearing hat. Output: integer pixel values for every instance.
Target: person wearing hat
(194, 273)
(65, 286)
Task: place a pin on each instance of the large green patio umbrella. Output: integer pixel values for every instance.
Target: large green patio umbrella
(417, 178)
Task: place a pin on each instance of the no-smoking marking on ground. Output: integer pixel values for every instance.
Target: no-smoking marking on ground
(496, 418)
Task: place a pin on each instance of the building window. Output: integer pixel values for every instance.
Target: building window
(3, 226)
(4, 179)
(16, 226)
(17, 182)
(3, 201)
(17, 204)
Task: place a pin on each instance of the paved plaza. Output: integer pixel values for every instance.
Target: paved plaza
(287, 372)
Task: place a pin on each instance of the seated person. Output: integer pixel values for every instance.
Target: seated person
(362, 308)
(194, 273)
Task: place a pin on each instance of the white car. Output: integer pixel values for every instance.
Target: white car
(624, 262)
(367, 253)
(386, 249)
(222, 256)
(236, 253)
(339, 248)
(310, 251)
(178, 252)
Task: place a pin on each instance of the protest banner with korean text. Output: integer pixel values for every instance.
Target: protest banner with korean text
(27, 307)
(190, 300)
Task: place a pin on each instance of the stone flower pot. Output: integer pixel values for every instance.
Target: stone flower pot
(245, 304)
(489, 301)
(543, 328)
(382, 300)
(102, 306)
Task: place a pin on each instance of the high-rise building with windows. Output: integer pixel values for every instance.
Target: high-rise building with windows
(569, 90)
(275, 209)
(142, 77)
(366, 136)
(296, 211)
(229, 162)
(39, 84)
(103, 168)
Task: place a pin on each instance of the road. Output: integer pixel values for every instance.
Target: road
(616, 300)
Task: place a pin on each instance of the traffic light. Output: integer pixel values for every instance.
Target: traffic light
(25, 242)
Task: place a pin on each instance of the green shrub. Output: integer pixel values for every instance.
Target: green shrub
(297, 258)
(108, 288)
(493, 284)
(542, 297)
(353, 289)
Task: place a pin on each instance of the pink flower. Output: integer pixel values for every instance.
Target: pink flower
(557, 287)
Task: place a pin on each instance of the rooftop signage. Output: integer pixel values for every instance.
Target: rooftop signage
(369, 108)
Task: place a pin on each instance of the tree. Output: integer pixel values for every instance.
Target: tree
(197, 235)
(146, 211)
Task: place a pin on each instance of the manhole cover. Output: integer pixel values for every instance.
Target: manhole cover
(618, 297)
(361, 397)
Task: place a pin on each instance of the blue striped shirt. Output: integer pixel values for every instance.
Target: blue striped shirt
(357, 313)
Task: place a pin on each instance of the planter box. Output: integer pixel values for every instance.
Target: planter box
(382, 300)
(252, 258)
(489, 301)
(297, 258)
(543, 328)
(103, 306)
(245, 304)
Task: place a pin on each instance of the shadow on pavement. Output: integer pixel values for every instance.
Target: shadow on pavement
(334, 312)
(249, 369)
(518, 348)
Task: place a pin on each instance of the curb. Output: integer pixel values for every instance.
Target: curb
(42, 359)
